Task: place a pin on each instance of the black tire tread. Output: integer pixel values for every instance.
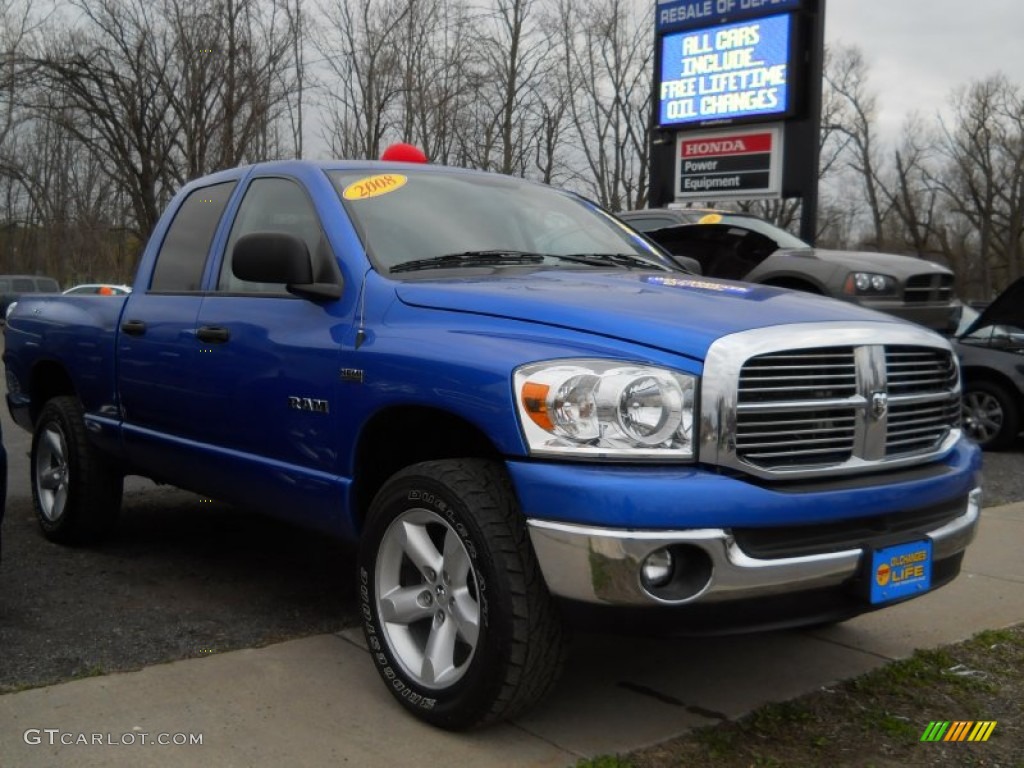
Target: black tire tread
(96, 487)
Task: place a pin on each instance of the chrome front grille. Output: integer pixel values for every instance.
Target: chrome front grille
(928, 288)
(810, 433)
(916, 370)
(811, 373)
(817, 436)
(780, 402)
(920, 427)
(921, 424)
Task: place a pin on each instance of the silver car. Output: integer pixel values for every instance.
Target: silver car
(738, 246)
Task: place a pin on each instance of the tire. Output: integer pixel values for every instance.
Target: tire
(991, 416)
(75, 491)
(452, 531)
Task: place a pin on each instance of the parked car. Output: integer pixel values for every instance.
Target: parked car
(13, 286)
(739, 246)
(990, 345)
(99, 289)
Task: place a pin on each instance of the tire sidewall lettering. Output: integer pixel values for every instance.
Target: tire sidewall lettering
(377, 650)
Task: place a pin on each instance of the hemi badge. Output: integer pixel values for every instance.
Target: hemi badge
(352, 374)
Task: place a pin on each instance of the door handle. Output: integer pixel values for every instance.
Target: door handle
(133, 327)
(213, 334)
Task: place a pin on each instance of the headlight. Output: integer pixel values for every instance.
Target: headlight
(868, 283)
(606, 409)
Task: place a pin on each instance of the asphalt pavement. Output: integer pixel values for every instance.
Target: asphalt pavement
(318, 700)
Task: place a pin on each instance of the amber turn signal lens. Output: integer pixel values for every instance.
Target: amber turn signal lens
(535, 401)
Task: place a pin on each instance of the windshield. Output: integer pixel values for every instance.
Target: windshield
(967, 317)
(780, 236)
(419, 215)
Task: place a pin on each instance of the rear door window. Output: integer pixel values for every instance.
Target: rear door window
(23, 285)
(182, 257)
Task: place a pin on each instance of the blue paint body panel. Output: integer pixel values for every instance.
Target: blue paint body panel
(215, 418)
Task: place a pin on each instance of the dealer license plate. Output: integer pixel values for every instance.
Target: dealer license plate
(900, 571)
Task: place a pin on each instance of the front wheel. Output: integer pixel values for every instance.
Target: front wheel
(75, 492)
(455, 611)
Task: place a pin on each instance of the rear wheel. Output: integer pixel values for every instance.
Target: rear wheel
(456, 614)
(75, 492)
(991, 416)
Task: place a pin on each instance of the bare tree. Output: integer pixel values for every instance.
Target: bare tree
(912, 198)
(236, 69)
(853, 117)
(113, 78)
(511, 50)
(358, 43)
(607, 64)
(437, 39)
(983, 175)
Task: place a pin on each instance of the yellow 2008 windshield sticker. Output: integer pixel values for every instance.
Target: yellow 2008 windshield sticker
(711, 218)
(374, 186)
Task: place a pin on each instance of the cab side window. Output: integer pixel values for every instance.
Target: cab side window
(182, 257)
(272, 205)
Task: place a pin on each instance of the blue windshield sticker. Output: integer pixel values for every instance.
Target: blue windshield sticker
(703, 285)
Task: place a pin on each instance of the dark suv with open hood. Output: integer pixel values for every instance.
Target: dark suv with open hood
(739, 246)
(991, 348)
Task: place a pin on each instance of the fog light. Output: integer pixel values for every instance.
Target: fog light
(657, 568)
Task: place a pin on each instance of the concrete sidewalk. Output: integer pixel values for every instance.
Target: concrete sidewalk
(318, 700)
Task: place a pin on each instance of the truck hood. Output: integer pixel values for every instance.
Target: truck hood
(891, 264)
(672, 311)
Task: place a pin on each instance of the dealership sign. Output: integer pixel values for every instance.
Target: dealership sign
(733, 164)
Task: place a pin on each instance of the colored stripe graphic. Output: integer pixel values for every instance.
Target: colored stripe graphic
(959, 730)
(982, 730)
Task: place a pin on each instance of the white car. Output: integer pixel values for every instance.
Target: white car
(100, 289)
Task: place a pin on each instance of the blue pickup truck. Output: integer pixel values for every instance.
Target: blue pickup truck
(522, 413)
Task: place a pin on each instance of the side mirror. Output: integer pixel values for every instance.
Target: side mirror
(272, 257)
(278, 257)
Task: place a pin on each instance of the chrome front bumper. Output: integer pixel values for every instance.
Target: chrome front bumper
(602, 565)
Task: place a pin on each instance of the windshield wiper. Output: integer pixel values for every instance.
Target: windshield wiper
(627, 260)
(470, 259)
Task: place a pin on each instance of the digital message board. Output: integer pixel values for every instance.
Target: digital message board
(726, 73)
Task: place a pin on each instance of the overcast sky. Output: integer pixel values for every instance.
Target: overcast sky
(919, 50)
